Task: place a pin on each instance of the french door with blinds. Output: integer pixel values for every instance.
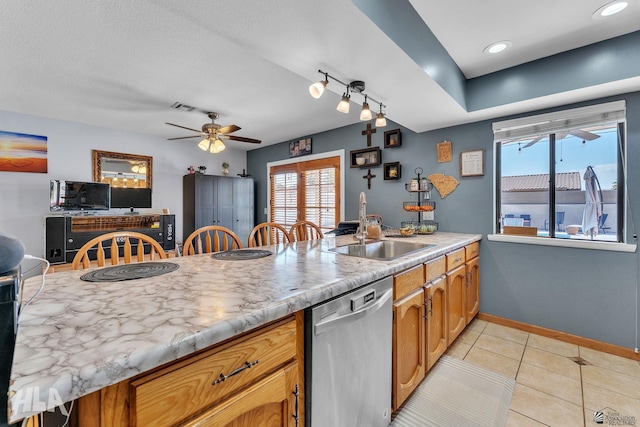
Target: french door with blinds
(306, 191)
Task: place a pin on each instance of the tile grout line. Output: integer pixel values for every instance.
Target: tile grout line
(584, 410)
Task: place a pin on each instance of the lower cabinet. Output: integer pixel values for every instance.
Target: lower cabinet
(456, 307)
(253, 380)
(472, 293)
(270, 402)
(436, 315)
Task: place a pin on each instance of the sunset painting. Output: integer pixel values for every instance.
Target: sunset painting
(20, 152)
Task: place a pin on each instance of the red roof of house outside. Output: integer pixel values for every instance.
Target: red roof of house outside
(564, 181)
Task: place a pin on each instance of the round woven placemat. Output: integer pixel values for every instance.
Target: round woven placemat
(241, 254)
(138, 270)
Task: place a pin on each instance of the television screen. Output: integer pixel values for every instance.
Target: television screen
(78, 196)
(130, 197)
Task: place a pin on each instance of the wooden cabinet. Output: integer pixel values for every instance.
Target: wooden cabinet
(456, 308)
(217, 200)
(408, 356)
(408, 345)
(253, 380)
(472, 291)
(436, 315)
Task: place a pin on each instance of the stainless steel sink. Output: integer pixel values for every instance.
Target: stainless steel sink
(382, 249)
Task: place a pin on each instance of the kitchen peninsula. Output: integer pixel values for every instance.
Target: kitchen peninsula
(78, 337)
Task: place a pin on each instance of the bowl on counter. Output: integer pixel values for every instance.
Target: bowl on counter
(360, 161)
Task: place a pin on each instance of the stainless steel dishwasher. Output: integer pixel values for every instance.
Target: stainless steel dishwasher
(348, 358)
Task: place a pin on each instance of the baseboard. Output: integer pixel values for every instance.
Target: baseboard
(562, 336)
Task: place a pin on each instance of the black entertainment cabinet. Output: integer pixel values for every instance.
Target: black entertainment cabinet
(66, 234)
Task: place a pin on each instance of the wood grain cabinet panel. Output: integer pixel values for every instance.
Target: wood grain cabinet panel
(408, 281)
(436, 315)
(408, 346)
(456, 308)
(472, 296)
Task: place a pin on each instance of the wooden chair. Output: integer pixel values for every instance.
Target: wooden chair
(305, 230)
(110, 241)
(268, 233)
(216, 238)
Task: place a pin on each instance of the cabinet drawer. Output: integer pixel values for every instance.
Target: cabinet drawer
(434, 268)
(472, 250)
(407, 281)
(455, 259)
(171, 397)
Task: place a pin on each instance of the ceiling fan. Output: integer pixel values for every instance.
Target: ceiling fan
(213, 134)
(578, 133)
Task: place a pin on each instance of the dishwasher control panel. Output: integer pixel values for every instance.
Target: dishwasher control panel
(362, 299)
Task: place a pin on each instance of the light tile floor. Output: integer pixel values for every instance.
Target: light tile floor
(552, 389)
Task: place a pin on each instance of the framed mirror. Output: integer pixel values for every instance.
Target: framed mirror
(122, 170)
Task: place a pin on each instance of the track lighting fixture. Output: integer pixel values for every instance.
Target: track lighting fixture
(317, 89)
(365, 113)
(343, 105)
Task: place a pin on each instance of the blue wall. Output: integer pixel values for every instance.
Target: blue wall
(590, 293)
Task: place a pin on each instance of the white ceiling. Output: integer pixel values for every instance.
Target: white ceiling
(122, 64)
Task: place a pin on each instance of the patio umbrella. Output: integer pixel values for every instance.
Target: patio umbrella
(593, 203)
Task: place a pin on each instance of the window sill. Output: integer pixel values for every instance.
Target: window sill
(566, 243)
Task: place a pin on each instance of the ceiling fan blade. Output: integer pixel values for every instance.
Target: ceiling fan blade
(584, 134)
(183, 137)
(241, 138)
(229, 129)
(533, 141)
(178, 126)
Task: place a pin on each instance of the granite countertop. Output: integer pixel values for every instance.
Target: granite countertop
(77, 337)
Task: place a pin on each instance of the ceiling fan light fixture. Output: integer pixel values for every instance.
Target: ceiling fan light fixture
(611, 8)
(497, 47)
(204, 144)
(217, 146)
(343, 105)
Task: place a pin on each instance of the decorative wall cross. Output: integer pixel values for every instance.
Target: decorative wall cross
(368, 177)
(369, 132)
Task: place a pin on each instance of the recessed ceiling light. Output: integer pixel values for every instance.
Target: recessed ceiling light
(611, 8)
(497, 47)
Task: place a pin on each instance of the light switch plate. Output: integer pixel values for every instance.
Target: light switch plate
(428, 216)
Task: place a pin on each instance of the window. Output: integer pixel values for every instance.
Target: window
(306, 191)
(561, 175)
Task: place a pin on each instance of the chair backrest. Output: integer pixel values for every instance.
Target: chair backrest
(110, 241)
(211, 238)
(268, 233)
(305, 230)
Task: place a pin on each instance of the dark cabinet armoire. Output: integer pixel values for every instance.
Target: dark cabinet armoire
(217, 200)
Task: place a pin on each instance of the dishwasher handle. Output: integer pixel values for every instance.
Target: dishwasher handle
(323, 327)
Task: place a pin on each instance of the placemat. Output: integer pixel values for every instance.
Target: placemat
(241, 254)
(138, 270)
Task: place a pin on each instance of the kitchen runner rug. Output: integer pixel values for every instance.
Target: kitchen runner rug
(457, 393)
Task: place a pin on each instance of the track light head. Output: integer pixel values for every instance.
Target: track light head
(317, 89)
(365, 113)
(381, 121)
(343, 105)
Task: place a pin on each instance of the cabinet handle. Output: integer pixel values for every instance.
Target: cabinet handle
(223, 377)
(458, 259)
(431, 306)
(295, 416)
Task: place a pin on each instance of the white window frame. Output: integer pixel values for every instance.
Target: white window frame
(533, 126)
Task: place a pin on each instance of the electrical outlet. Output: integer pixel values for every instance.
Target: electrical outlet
(265, 211)
(428, 216)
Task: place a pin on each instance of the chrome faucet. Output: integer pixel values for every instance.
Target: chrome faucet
(361, 235)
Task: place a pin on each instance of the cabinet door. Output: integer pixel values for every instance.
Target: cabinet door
(456, 307)
(472, 288)
(436, 316)
(271, 402)
(243, 207)
(408, 345)
(224, 202)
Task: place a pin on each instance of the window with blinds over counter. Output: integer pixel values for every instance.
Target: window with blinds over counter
(306, 191)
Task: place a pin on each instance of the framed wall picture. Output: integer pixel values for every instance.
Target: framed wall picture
(365, 158)
(444, 152)
(392, 138)
(300, 147)
(392, 170)
(472, 163)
